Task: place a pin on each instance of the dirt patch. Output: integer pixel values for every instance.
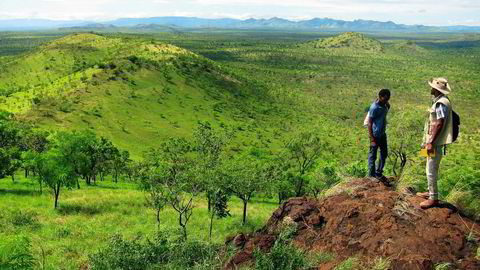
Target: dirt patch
(371, 221)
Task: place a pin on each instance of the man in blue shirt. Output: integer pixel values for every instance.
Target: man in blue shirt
(377, 123)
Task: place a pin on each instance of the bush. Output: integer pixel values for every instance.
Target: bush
(125, 254)
(349, 264)
(15, 253)
(161, 253)
(357, 169)
(187, 255)
(27, 218)
(283, 254)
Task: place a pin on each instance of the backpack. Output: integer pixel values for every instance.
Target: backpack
(455, 125)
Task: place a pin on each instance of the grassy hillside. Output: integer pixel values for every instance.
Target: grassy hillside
(348, 40)
(134, 91)
(266, 86)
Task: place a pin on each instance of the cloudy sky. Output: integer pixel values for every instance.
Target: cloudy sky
(427, 12)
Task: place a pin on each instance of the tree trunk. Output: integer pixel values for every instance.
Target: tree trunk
(13, 177)
(78, 183)
(298, 192)
(57, 192)
(209, 202)
(158, 219)
(115, 177)
(26, 173)
(211, 225)
(244, 211)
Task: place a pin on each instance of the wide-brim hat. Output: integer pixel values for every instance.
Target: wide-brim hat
(441, 84)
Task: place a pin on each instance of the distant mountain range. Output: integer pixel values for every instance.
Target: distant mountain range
(192, 22)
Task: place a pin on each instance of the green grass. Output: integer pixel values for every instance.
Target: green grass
(266, 86)
(86, 218)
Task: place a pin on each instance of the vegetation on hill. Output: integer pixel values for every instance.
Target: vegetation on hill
(349, 40)
(234, 122)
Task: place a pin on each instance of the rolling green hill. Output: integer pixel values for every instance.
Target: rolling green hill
(349, 40)
(133, 91)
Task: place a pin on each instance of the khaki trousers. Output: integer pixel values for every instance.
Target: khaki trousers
(433, 163)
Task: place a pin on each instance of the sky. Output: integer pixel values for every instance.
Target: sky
(426, 12)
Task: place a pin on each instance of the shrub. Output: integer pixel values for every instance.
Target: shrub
(161, 253)
(357, 169)
(15, 253)
(27, 218)
(283, 254)
(187, 255)
(349, 264)
(125, 254)
(442, 266)
(381, 264)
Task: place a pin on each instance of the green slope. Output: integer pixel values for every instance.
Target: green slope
(348, 40)
(135, 92)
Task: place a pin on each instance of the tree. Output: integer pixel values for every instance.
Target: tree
(220, 198)
(208, 149)
(169, 172)
(151, 175)
(55, 170)
(35, 141)
(406, 129)
(303, 150)
(323, 178)
(10, 152)
(106, 153)
(245, 177)
(120, 162)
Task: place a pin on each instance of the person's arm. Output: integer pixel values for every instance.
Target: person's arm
(370, 131)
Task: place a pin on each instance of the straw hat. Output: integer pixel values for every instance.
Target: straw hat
(441, 84)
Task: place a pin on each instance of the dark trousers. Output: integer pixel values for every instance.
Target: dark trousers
(372, 157)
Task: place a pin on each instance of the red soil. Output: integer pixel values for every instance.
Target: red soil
(371, 221)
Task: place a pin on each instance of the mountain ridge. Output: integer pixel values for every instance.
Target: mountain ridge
(251, 23)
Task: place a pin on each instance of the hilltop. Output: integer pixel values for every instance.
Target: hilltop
(133, 91)
(365, 220)
(349, 40)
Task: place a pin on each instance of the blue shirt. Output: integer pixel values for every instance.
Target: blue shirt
(378, 114)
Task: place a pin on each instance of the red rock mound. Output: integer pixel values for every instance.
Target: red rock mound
(368, 220)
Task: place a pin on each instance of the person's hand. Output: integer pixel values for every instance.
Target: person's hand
(374, 142)
(429, 148)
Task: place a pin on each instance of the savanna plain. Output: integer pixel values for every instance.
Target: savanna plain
(146, 150)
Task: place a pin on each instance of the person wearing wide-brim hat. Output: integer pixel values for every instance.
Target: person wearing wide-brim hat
(438, 133)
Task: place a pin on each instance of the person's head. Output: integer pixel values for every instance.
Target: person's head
(384, 96)
(439, 86)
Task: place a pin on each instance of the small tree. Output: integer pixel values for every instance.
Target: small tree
(245, 177)
(55, 171)
(208, 149)
(120, 163)
(407, 128)
(323, 178)
(220, 198)
(169, 172)
(303, 151)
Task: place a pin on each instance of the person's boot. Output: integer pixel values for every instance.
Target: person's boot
(424, 195)
(428, 203)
